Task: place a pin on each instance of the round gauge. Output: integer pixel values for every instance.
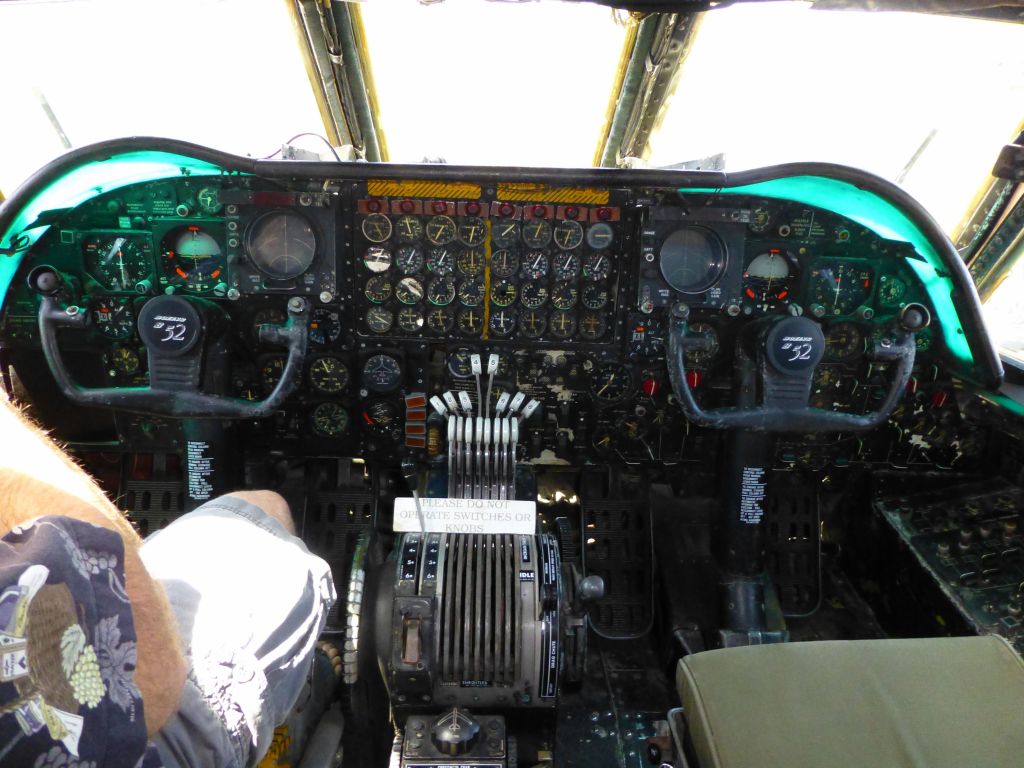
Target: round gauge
(594, 296)
(692, 259)
(533, 295)
(701, 358)
(505, 234)
(409, 290)
(125, 361)
(410, 320)
(409, 259)
(113, 317)
(281, 244)
(562, 324)
(460, 364)
(324, 325)
(377, 259)
(376, 227)
(470, 321)
(600, 236)
(382, 373)
(471, 292)
(532, 324)
(534, 266)
(504, 263)
(568, 235)
(592, 326)
(441, 261)
(923, 339)
(246, 390)
(504, 293)
(597, 266)
(378, 289)
(891, 290)
(611, 383)
(379, 320)
(440, 320)
(760, 218)
(564, 295)
(766, 280)
(192, 259)
(843, 342)
(537, 233)
(633, 428)
(566, 266)
(502, 323)
(841, 235)
(408, 229)
(441, 230)
(470, 262)
(840, 286)
(380, 416)
(329, 420)
(208, 199)
(270, 372)
(472, 231)
(118, 262)
(267, 316)
(328, 375)
(441, 291)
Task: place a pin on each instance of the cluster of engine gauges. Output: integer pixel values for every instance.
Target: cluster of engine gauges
(494, 271)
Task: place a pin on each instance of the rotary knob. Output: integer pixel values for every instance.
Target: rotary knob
(455, 733)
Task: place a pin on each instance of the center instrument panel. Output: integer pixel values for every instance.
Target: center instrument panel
(406, 281)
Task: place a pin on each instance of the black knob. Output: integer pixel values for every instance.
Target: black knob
(914, 317)
(45, 280)
(455, 733)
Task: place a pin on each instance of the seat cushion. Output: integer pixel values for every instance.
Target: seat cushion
(922, 703)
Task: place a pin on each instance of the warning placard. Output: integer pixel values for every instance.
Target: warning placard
(465, 516)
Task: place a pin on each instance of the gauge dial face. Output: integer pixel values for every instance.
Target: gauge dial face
(270, 372)
(382, 373)
(594, 296)
(472, 231)
(441, 230)
(410, 319)
(611, 383)
(409, 259)
(923, 339)
(504, 263)
(537, 233)
(441, 261)
(592, 326)
(328, 375)
(329, 420)
(700, 358)
(376, 227)
(564, 296)
(766, 280)
(125, 361)
(440, 321)
(844, 342)
(379, 320)
(566, 266)
(441, 291)
(113, 317)
(267, 316)
(504, 233)
(208, 199)
(891, 290)
(597, 266)
(377, 259)
(409, 290)
(408, 229)
(470, 321)
(692, 259)
(192, 259)
(502, 323)
(840, 286)
(470, 262)
(324, 326)
(568, 235)
(504, 293)
(460, 363)
(534, 266)
(533, 295)
(471, 292)
(600, 236)
(378, 289)
(562, 324)
(760, 219)
(532, 324)
(118, 262)
(282, 244)
(380, 416)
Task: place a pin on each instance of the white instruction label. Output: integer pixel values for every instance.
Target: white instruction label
(200, 467)
(752, 495)
(466, 516)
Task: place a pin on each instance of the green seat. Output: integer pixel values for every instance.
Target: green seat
(923, 703)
